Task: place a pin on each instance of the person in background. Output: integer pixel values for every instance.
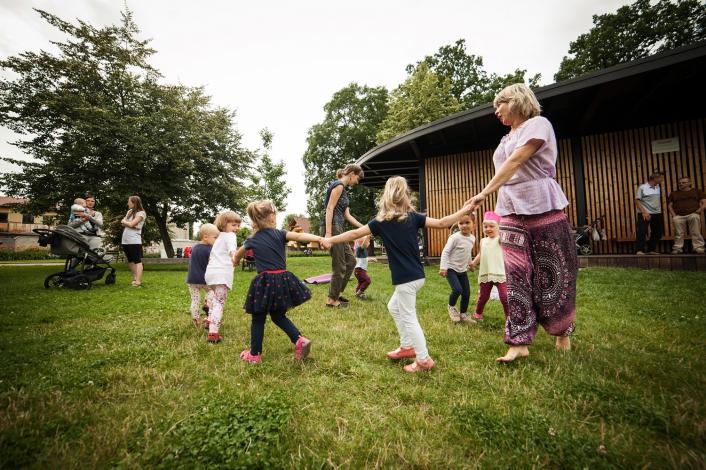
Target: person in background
(361, 266)
(686, 206)
(131, 241)
(648, 200)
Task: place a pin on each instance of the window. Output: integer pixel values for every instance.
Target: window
(27, 218)
(3, 217)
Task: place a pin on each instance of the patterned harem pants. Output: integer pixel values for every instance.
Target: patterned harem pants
(541, 267)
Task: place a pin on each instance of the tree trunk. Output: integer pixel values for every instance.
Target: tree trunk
(164, 233)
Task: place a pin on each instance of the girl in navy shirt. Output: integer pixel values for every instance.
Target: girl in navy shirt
(397, 223)
(274, 290)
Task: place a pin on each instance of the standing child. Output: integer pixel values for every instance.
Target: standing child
(219, 273)
(361, 266)
(198, 262)
(274, 290)
(492, 265)
(455, 260)
(397, 223)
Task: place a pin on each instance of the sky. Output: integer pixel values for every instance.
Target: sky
(277, 62)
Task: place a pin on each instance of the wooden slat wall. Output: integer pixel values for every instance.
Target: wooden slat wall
(616, 163)
(452, 179)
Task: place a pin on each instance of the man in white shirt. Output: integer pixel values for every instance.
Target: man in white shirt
(648, 199)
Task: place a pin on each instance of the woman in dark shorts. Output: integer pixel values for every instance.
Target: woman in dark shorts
(132, 237)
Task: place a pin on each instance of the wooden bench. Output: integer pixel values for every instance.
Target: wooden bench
(117, 255)
(668, 238)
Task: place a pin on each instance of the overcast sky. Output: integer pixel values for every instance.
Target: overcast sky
(278, 62)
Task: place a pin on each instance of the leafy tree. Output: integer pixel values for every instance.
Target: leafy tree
(422, 98)
(634, 31)
(469, 83)
(348, 130)
(243, 235)
(269, 177)
(95, 117)
(289, 219)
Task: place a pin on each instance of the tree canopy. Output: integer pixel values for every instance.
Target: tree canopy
(632, 32)
(348, 130)
(94, 116)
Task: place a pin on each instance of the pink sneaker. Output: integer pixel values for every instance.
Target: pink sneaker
(302, 348)
(251, 358)
(419, 366)
(477, 317)
(401, 353)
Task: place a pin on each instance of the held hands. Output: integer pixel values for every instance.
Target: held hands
(325, 243)
(442, 272)
(473, 203)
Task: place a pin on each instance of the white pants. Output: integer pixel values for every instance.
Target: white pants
(402, 307)
(693, 221)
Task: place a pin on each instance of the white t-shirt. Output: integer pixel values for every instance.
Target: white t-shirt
(133, 236)
(457, 253)
(220, 265)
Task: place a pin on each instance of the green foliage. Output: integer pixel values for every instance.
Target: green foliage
(632, 32)
(95, 117)
(424, 97)
(348, 130)
(468, 82)
(287, 222)
(243, 235)
(229, 434)
(269, 178)
(32, 254)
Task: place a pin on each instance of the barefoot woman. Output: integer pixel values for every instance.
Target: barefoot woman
(540, 256)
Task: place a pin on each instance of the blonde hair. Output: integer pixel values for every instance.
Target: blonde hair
(348, 169)
(259, 212)
(520, 99)
(226, 217)
(396, 200)
(80, 201)
(208, 229)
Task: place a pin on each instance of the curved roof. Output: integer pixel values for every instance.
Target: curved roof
(643, 92)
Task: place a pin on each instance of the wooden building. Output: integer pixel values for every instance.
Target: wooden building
(614, 127)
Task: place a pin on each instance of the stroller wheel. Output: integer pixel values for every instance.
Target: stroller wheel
(110, 279)
(54, 280)
(585, 250)
(81, 282)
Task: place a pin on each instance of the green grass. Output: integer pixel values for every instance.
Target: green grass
(117, 376)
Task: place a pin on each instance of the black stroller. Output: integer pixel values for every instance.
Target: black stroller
(583, 235)
(83, 266)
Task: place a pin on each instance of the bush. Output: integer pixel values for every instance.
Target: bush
(32, 254)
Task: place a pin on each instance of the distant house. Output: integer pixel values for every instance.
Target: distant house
(16, 226)
(301, 224)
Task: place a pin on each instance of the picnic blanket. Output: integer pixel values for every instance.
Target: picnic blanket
(320, 279)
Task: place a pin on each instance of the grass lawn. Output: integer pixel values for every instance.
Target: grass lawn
(117, 376)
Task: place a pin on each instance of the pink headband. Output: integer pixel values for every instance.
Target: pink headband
(491, 216)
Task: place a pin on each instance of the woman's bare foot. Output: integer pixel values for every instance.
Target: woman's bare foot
(563, 343)
(513, 353)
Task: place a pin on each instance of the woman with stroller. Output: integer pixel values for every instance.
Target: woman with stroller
(89, 223)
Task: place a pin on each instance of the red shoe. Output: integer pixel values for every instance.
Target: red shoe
(214, 338)
(419, 366)
(302, 348)
(251, 358)
(401, 353)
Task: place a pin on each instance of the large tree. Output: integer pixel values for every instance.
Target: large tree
(634, 31)
(422, 98)
(95, 116)
(468, 82)
(348, 130)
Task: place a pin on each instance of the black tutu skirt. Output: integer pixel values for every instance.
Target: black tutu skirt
(275, 293)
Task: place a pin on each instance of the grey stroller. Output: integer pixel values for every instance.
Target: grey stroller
(83, 266)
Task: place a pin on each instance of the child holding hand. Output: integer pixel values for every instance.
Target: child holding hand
(397, 224)
(492, 265)
(219, 272)
(274, 290)
(361, 266)
(455, 261)
(195, 277)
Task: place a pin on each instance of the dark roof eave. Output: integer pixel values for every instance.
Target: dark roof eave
(598, 77)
